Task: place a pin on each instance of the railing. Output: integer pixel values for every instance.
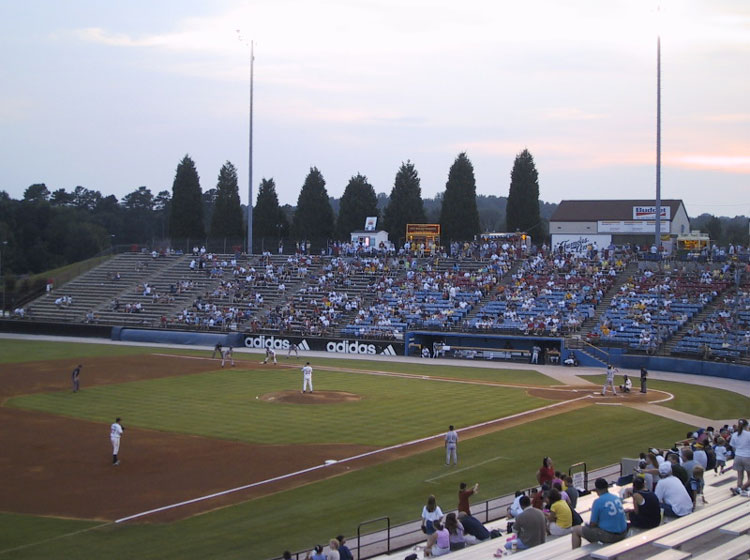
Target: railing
(388, 533)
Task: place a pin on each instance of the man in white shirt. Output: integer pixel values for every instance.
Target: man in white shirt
(672, 494)
(115, 433)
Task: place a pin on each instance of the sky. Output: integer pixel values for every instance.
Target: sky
(112, 95)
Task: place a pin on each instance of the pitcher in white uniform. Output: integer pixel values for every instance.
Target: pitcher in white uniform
(307, 377)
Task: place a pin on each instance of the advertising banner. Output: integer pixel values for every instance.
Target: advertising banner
(579, 244)
(333, 345)
(649, 212)
(631, 226)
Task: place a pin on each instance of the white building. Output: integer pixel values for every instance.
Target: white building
(578, 224)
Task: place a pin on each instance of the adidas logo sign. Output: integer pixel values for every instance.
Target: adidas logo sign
(303, 345)
(388, 351)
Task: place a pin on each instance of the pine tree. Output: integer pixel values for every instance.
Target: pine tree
(186, 211)
(405, 203)
(459, 217)
(313, 218)
(522, 211)
(269, 220)
(357, 203)
(226, 220)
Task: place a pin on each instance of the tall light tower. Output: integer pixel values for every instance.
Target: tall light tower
(250, 151)
(657, 221)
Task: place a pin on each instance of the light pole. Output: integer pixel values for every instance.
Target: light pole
(2, 278)
(250, 152)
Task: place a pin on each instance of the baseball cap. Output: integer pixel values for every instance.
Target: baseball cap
(665, 468)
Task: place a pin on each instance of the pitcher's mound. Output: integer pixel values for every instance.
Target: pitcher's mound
(316, 397)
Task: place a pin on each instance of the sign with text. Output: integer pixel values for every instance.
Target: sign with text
(579, 244)
(649, 213)
(631, 226)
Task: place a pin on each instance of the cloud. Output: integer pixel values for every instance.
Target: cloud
(729, 164)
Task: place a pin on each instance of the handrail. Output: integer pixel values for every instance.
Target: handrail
(585, 473)
(359, 529)
(596, 349)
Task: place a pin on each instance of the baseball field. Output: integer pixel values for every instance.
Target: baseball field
(236, 463)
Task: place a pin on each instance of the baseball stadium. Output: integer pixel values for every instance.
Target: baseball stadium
(224, 456)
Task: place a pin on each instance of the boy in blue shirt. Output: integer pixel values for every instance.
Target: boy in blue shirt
(608, 523)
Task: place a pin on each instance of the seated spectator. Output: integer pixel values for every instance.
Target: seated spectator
(530, 526)
(672, 495)
(316, 553)
(333, 550)
(344, 552)
(438, 542)
(474, 530)
(608, 523)
(572, 491)
(515, 509)
(431, 513)
(560, 516)
(456, 532)
(646, 512)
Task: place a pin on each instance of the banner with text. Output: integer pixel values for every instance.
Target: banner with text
(283, 344)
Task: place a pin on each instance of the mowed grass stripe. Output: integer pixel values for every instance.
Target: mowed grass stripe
(701, 400)
(299, 518)
(222, 404)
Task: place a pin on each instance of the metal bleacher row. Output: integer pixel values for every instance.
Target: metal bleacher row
(715, 531)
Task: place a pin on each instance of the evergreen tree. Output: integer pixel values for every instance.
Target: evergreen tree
(357, 203)
(405, 204)
(186, 211)
(226, 220)
(522, 211)
(269, 220)
(313, 219)
(459, 217)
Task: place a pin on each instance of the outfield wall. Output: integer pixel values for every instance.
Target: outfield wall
(176, 337)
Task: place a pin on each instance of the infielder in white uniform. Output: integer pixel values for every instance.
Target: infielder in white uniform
(115, 433)
(227, 354)
(610, 380)
(451, 446)
(270, 354)
(307, 377)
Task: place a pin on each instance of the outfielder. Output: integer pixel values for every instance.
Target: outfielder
(610, 380)
(74, 377)
(270, 354)
(115, 433)
(227, 354)
(307, 377)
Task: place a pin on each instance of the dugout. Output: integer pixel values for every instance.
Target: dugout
(484, 346)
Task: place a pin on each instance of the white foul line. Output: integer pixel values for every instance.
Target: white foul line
(346, 460)
(465, 468)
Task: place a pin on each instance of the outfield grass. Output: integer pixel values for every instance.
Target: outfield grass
(223, 404)
(17, 351)
(311, 514)
(700, 400)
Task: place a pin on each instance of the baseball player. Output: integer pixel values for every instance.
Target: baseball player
(270, 354)
(217, 348)
(293, 348)
(611, 371)
(74, 377)
(307, 377)
(115, 433)
(227, 354)
(451, 446)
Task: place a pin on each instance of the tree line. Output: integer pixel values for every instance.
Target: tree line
(47, 228)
